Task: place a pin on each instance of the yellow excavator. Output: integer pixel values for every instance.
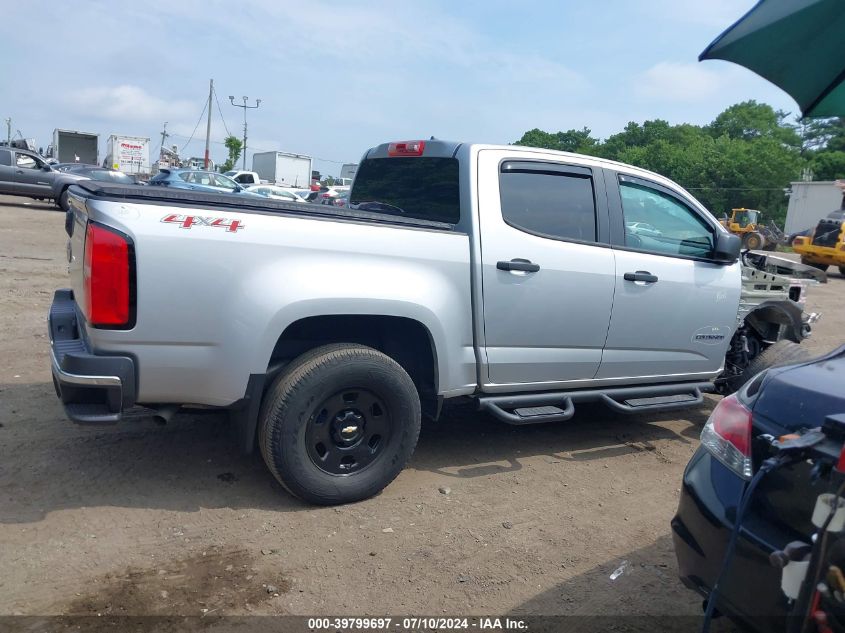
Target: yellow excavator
(755, 235)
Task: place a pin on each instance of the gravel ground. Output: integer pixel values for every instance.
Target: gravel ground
(140, 519)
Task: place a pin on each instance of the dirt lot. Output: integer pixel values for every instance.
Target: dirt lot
(140, 519)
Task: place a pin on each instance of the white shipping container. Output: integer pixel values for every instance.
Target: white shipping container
(71, 146)
(283, 168)
(809, 202)
(129, 154)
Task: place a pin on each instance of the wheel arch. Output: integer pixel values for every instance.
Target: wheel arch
(769, 317)
(408, 341)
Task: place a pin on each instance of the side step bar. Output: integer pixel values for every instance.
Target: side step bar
(559, 406)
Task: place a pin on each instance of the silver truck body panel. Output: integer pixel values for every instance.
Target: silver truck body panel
(211, 304)
(544, 327)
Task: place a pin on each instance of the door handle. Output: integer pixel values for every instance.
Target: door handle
(518, 264)
(19, 171)
(641, 275)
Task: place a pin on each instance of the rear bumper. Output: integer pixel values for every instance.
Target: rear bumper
(700, 532)
(94, 389)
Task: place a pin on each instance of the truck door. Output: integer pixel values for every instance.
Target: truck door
(8, 182)
(547, 269)
(30, 177)
(675, 309)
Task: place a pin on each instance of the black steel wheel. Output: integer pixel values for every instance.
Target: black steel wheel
(339, 424)
(347, 431)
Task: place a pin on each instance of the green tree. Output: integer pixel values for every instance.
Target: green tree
(580, 141)
(745, 158)
(235, 146)
(749, 120)
(828, 165)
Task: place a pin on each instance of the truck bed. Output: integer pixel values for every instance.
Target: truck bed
(152, 194)
(211, 304)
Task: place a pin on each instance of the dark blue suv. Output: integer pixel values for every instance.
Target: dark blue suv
(776, 402)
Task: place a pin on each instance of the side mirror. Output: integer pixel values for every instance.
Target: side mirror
(727, 247)
(46, 167)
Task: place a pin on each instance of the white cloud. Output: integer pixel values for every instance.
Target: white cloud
(680, 82)
(127, 102)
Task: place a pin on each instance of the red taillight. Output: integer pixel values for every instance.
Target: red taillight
(106, 277)
(732, 421)
(727, 435)
(406, 148)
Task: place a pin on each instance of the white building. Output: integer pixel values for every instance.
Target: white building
(809, 202)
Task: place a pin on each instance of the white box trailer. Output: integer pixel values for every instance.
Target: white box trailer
(129, 154)
(71, 146)
(283, 168)
(809, 202)
(348, 171)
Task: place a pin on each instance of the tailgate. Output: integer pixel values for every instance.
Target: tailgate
(76, 222)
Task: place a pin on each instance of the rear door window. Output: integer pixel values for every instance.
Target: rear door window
(549, 203)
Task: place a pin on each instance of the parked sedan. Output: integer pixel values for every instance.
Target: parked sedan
(642, 228)
(197, 180)
(67, 177)
(342, 199)
(776, 402)
(276, 192)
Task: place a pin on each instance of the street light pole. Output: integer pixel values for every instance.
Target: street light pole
(245, 107)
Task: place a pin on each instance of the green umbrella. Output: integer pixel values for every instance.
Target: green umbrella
(798, 45)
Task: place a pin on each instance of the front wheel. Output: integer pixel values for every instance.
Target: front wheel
(339, 424)
(781, 353)
(842, 270)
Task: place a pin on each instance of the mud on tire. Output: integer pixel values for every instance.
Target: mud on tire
(339, 424)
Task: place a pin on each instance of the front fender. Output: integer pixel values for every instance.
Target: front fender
(767, 318)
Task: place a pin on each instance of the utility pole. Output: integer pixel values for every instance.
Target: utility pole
(8, 131)
(164, 136)
(245, 107)
(208, 126)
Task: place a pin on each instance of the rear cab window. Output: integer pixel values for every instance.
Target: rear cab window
(419, 187)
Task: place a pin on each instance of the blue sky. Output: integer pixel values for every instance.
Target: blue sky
(337, 77)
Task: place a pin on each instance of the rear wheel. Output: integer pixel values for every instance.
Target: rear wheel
(339, 424)
(780, 353)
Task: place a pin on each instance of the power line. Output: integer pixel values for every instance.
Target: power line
(195, 128)
(220, 110)
(257, 149)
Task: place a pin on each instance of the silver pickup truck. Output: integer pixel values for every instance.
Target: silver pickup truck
(528, 280)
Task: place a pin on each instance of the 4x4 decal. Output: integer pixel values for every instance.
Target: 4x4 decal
(189, 221)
